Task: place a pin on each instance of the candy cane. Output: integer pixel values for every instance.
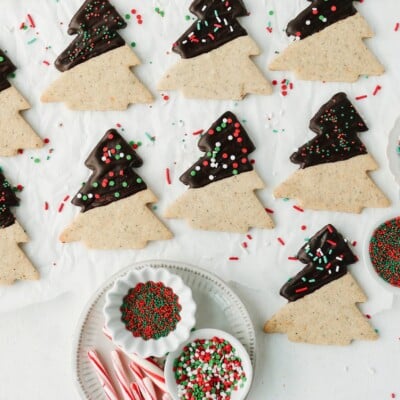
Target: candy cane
(121, 375)
(136, 391)
(102, 375)
(151, 369)
(140, 381)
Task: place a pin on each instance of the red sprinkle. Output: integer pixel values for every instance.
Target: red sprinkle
(166, 97)
(281, 241)
(361, 97)
(300, 290)
(199, 132)
(249, 237)
(292, 258)
(31, 21)
(269, 211)
(377, 89)
(397, 26)
(354, 244)
(303, 227)
(244, 244)
(118, 125)
(298, 208)
(45, 62)
(60, 208)
(233, 258)
(46, 140)
(167, 175)
(368, 316)
(46, 205)
(66, 197)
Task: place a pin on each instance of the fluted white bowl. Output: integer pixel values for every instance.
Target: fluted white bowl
(152, 347)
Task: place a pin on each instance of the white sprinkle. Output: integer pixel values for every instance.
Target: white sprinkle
(90, 195)
(232, 157)
(197, 168)
(224, 166)
(79, 195)
(230, 137)
(308, 22)
(211, 177)
(122, 155)
(218, 144)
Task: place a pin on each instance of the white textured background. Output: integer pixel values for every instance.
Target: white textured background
(38, 319)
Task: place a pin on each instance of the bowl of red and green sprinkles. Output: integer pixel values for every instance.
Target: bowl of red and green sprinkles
(211, 364)
(384, 253)
(149, 312)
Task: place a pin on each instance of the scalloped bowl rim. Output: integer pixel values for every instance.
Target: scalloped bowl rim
(393, 289)
(152, 347)
(208, 333)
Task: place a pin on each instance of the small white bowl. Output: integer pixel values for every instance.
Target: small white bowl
(152, 347)
(241, 352)
(391, 288)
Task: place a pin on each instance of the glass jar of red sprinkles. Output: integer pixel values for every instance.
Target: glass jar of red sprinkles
(150, 310)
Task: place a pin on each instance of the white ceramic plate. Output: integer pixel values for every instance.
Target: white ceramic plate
(239, 394)
(392, 153)
(395, 290)
(217, 307)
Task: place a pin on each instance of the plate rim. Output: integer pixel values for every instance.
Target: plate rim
(137, 265)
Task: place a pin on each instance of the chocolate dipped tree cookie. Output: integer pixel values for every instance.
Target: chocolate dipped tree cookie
(215, 55)
(114, 201)
(328, 44)
(222, 182)
(96, 66)
(334, 166)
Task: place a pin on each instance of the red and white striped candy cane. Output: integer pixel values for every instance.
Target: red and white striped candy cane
(121, 375)
(102, 375)
(139, 377)
(151, 369)
(136, 391)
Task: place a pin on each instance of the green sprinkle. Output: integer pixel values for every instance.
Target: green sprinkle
(1, 59)
(133, 44)
(271, 12)
(32, 41)
(127, 16)
(116, 194)
(193, 173)
(139, 180)
(95, 184)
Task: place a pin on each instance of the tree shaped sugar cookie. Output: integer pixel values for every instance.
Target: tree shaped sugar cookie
(329, 44)
(323, 296)
(114, 201)
(14, 265)
(96, 66)
(215, 55)
(222, 183)
(334, 166)
(15, 132)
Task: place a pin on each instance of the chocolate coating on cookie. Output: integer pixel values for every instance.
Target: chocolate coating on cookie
(226, 145)
(6, 68)
(336, 125)
(319, 15)
(327, 255)
(96, 23)
(216, 25)
(112, 162)
(7, 199)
